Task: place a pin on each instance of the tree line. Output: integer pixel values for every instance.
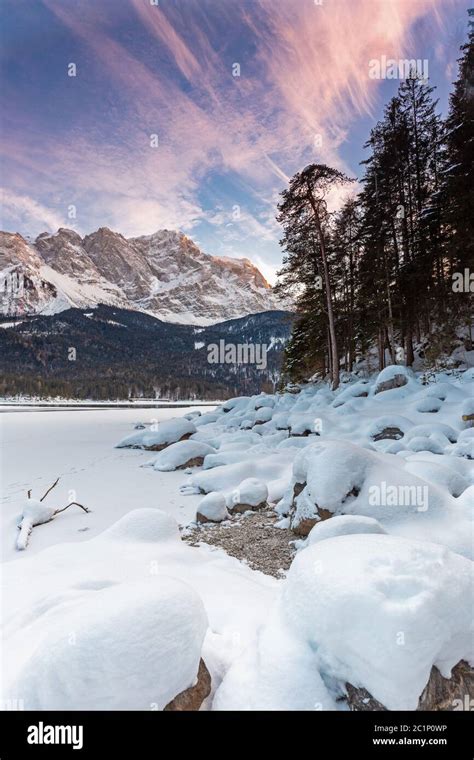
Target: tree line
(391, 266)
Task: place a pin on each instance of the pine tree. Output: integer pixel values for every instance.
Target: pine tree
(457, 193)
(305, 219)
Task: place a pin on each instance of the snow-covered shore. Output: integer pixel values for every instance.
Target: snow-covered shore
(78, 445)
(377, 482)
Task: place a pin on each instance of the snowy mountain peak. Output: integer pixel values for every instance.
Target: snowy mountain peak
(165, 274)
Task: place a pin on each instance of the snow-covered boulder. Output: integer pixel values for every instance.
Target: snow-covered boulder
(393, 376)
(264, 414)
(467, 411)
(167, 432)
(135, 646)
(144, 525)
(380, 611)
(356, 390)
(306, 423)
(325, 476)
(335, 477)
(206, 419)
(212, 508)
(463, 448)
(423, 443)
(392, 426)
(264, 401)
(235, 404)
(432, 428)
(250, 494)
(281, 420)
(429, 404)
(439, 474)
(376, 612)
(343, 525)
(183, 454)
(192, 415)
(440, 391)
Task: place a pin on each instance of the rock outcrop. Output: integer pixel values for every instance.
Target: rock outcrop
(191, 699)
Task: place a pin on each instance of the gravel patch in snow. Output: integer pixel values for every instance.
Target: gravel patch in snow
(250, 537)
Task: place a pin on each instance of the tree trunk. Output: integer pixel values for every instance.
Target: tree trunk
(409, 356)
(327, 285)
(381, 350)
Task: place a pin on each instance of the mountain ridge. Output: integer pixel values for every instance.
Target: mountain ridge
(164, 274)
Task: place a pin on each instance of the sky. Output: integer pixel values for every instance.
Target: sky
(141, 115)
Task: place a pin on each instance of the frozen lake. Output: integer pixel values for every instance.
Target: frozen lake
(78, 445)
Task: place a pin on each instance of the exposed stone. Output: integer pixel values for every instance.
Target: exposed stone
(360, 700)
(455, 693)
(192, 698)
(239, 508)
(161, 446)
(448, 693)
(297, 488)
(193, 462)
(200, 518)
(397, 381)
(389, 432)
(304, 526)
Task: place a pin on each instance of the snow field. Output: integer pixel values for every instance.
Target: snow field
(377, 594)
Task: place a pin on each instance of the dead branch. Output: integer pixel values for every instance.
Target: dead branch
(50, 489)
(70, 505)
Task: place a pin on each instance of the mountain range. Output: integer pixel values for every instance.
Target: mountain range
(165, 275)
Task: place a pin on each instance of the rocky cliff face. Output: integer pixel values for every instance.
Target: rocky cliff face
(164, 274)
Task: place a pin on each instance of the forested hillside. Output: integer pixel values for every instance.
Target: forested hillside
(110, 353)
(391, 267)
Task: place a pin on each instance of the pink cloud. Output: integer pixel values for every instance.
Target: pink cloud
(308, 77)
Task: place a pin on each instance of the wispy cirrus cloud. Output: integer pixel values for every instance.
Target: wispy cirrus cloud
(24, 209)
(223, 140)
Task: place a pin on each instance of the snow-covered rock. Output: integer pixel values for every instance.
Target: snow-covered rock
(463, 448)
(374, 611)
(393, 376)
(381, 611)
(467, 410)
(132, 646)
(82, 619)
(429, 404)
(423, 443)
(182, 454)
(250, 494)
(143, 526)
(430, 429)
(165, 433)
(392, 426)
(355, 390)
(343, 525)
(212, 508)
(264, 414)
